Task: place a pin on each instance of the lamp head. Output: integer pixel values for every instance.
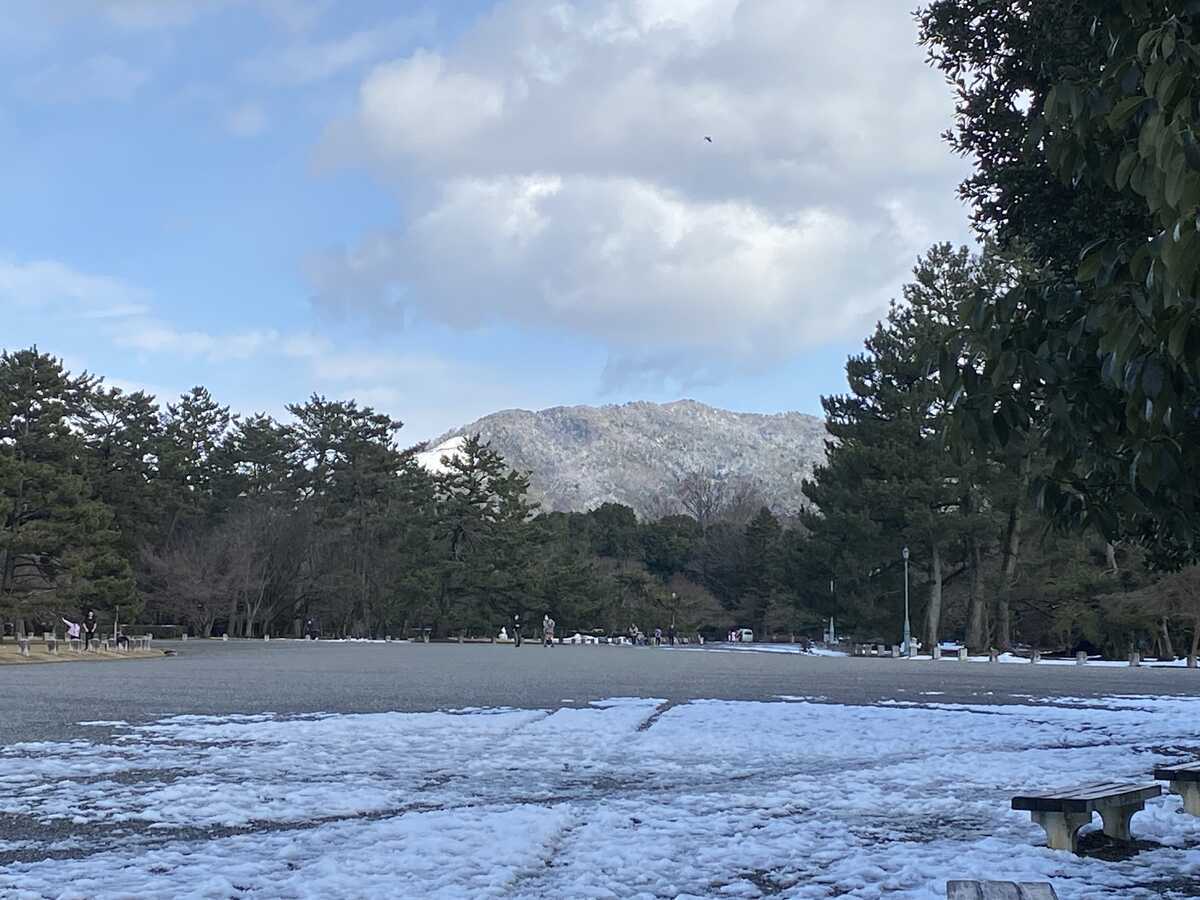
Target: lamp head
(904, 553)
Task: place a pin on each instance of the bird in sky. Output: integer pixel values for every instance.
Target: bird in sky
(707, 138)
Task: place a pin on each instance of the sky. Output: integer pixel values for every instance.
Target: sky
(442, 209)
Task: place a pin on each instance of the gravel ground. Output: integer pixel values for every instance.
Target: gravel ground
(219, 678)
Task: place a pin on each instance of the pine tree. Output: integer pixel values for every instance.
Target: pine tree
(890, 482)
(485, 545)
(59, 547)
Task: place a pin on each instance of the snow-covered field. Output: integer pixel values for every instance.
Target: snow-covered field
(625, 798)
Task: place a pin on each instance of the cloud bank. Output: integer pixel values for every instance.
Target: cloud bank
(555, 173)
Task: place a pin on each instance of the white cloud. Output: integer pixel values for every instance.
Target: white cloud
(55, 287)
(144, 14)
(629, 262)
(100, 77)
(309, 61)
(157, 337)
(556, 171)
(296, 15)
(246, 120)
(152, 15)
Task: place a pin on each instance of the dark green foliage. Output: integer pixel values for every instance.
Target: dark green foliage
(1079, 117)
(60, 550)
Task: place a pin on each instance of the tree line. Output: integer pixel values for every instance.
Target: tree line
(188, 513)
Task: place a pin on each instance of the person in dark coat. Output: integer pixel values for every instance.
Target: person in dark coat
(90, 627)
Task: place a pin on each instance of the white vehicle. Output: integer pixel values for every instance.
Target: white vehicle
(745, 635)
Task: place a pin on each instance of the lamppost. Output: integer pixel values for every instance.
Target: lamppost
(907, 629)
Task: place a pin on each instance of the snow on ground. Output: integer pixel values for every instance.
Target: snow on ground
(729, 646)
(625, 798)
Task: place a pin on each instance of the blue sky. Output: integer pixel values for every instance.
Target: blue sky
(444, 209)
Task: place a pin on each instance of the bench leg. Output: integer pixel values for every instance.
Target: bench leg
(1062, 829)
(1190, 792)
(1116, 820)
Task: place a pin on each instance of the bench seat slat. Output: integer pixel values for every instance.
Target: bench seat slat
(1185, 772)
(998, 890)
(1087, 798)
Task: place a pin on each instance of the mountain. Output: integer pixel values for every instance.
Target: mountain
(582, 456)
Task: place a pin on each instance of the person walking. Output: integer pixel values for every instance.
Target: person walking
(516, 629)
(547, 631)
(90, 627)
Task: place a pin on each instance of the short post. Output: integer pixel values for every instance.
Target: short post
(266, 637)
(1036, 657)
(460, 637)
(895, 651)
(1135, 659)
(23, 641)
(1191, 662)
(962, 654)
(937, 652)
(184, 637)
(1081, 658)
(993, 655)
(225, 637)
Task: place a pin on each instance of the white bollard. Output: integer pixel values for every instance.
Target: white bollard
(1135, 659)
(266, 637)
(937, 652)
(962, 654)
(1036, 657)
(1081, 658)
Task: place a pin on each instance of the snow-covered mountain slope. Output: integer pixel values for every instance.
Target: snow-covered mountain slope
(582, 456)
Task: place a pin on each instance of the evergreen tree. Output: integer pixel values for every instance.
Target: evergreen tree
(889, 481)
(481, 532)
(59, 547)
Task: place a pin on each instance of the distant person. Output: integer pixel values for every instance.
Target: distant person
(657, 637)
(90, 627)
(516, 629)
(72, 629)
(671, 635)
(547, 631)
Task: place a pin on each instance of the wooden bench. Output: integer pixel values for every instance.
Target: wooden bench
(999, 890)
(1184, 781)
(1063, 813)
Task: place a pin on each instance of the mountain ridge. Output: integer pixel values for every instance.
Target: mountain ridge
(635, 453)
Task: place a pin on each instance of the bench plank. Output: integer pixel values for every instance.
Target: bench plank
(998, 890)
(1087, 798)
(1185, 772)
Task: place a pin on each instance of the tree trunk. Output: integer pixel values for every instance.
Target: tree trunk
(231, 625)
(1012, 553)
(976, 627)
(933, 616)
(1195, 638)
(1110, 557)
(1167, 646)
